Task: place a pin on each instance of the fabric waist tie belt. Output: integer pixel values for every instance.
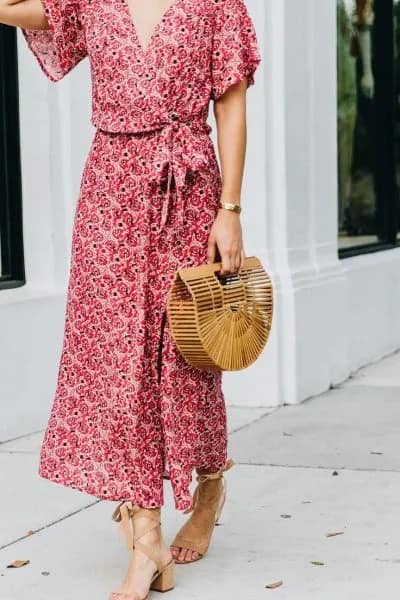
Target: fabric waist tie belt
(180, 149)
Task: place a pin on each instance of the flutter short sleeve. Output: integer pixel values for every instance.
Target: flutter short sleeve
(62, 46)
(235, 52)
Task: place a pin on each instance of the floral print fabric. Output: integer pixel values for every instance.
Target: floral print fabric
(196, 51)
(128, 410)
(63, 45)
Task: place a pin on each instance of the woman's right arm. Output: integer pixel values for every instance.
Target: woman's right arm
(28, 14)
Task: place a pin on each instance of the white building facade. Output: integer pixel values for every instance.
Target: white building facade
(332, 314)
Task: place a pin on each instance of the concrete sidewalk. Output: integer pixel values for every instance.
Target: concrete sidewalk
(329, 465)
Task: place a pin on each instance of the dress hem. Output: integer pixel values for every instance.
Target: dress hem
(181, 504)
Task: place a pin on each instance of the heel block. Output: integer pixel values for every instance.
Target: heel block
(165, 581)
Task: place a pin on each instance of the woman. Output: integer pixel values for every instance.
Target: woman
(128, 409)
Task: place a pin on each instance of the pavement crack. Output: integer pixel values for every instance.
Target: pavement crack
(254, 421)
(67, 516)
(20, 437)
(322, 467)
(5, 451)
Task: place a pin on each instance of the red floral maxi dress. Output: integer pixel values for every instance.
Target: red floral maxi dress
(128, 409)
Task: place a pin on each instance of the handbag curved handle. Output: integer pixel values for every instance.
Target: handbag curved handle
(188, 273)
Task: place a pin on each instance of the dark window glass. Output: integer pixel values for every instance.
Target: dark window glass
(368, 204)
(396, 29)
(11, 244)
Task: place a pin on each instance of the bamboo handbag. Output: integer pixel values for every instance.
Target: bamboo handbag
(221, 322)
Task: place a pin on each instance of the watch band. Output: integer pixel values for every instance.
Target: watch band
(229, 206)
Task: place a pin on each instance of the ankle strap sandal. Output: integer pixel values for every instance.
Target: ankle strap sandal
(201, 479)
(206, 508)
(126, 514)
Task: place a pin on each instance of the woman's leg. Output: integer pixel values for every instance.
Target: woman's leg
(195, 430)
(192, 541)
(150, 553)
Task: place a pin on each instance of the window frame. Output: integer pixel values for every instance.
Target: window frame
(387, 192)
(11, 224)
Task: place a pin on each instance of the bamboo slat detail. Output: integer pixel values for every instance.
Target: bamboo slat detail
(221, 323)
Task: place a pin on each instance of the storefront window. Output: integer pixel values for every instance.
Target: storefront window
(11, 244)
(368, 137)
(396, 19)
(357, 196)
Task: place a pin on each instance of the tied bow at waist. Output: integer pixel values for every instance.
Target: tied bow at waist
(181, 149)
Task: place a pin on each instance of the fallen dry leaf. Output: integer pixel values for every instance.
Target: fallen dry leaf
(30, 532)
(276, 584)
(333, 533)
(17, 563)
(316, 562)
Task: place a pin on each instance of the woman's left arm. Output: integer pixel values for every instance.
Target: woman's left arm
(226, 232)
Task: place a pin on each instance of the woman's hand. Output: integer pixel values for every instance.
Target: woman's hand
(226, 237)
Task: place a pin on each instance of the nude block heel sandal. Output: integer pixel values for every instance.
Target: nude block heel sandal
(126, 514)
(208, 501)
(165, 580)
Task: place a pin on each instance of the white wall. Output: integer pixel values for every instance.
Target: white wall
(330, 316)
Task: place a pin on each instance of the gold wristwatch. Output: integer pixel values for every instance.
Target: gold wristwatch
(234, 207)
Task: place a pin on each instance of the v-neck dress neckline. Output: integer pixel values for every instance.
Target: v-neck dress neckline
(164, 15)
